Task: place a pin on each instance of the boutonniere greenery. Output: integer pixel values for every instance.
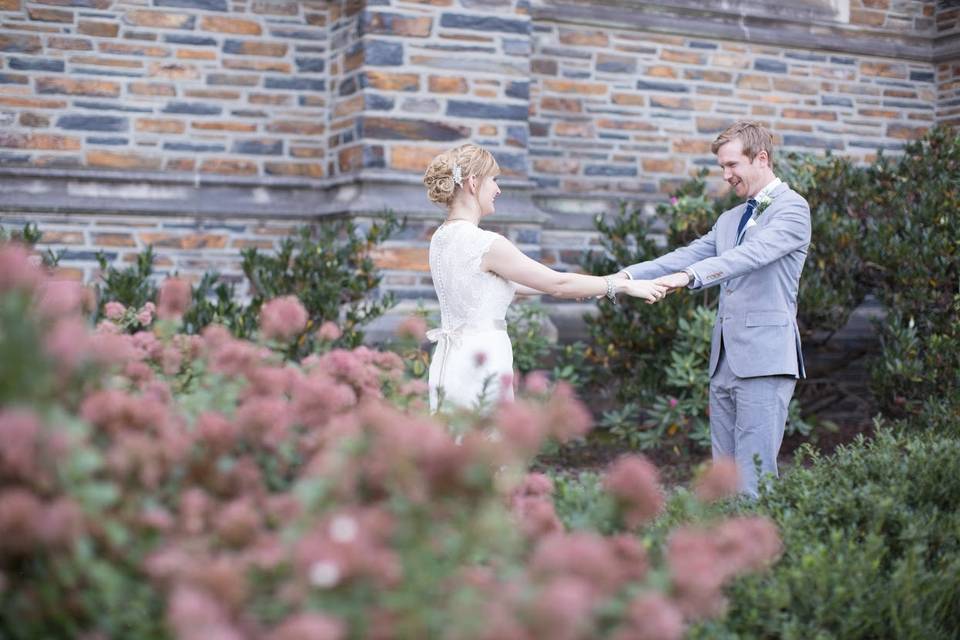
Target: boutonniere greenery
(764, 200)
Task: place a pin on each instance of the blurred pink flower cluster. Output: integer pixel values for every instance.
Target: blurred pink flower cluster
(263, 499)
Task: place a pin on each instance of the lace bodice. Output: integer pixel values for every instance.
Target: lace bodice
(467, 294)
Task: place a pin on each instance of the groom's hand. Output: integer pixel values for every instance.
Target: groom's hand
(675, 281)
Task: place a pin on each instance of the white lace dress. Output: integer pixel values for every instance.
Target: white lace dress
(472, 365)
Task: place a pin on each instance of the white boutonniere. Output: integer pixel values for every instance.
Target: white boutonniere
(764, 200)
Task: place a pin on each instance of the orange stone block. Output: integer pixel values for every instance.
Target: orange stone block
(410, 158)
(50, 15)
(122, 160)
(297, 169)
(869, 18)
(186, 241)
(401, 258)
(213, 94)
(98, 29)
(570, 86)
(661, 71)
(399, 25)
(231, 25)
(114, 239)
(299, 127)
(181, 164)
(173, 71)
(151, 89)
(685, 57)
(72, 44)
(196, 54)
(570, 105)
(663, 165)
(883, 69)
(268, 49)
(556, 165)
(447, 84)
(10, 5)
(100, 88)
(206, 125)
(629, 99)
(31, 103)
(157, 19)
(573, 129)
(257, 65)
(386, 81)
(62, 237)
(107, 62)
(158, 125)
(134, 49)
(584, 38)
(691, 145)
(44, 141)
(802, 114)
(903, 132)
(307, 152)
(228, 166)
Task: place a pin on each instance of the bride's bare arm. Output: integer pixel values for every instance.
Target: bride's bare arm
(510, 263)
(525, 291)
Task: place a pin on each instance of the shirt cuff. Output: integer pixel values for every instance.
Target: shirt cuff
(694, 278)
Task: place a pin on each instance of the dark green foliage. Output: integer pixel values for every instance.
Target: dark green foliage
(872, 546)
(912, 247)
(30, 235)
(330, 269)
(132, 287)
(525, 324)
(215, 302)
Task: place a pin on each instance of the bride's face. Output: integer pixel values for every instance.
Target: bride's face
(487, 192)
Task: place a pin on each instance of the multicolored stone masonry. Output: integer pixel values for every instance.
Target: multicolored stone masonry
(204, 126)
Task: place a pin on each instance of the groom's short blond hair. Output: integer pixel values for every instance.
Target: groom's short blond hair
(753, 135)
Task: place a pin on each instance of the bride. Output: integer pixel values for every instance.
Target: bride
(476, 274)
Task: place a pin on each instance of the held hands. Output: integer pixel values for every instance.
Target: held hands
(650, 290)
(673, 281)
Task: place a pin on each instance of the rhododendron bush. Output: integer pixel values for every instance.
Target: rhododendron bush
(159, 485)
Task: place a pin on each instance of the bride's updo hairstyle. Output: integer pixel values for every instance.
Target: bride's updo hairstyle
(447, 171)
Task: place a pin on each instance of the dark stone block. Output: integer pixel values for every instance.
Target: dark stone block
(519, 90)
(836, 101)
(93, 123)
(373, 158)
(258, 147)
(843, 60)
(36, 64)
(87, 255)
(652, 85)
(699, 44)
(813, 142)
(107, 106)
(311, 65)
(420, 105)
(919, 76)
(613, 136)
(515, 163)
(486, 110)
(539, 129)
(578, 75)
(376, 102)
(187, 146)
(196, 41)
(527, 236)
(872, 144)
(193, 108)
(484, 23)
(809, 57)
(617, 66)
(297, 34)
(13, 78)
(383, 54)
(770, 66)
(609, 170)
(106, 72)
(14, 158)
(565, 52)
(546, 183)
(108, 141)
(206, 5)
(513, 47)
(517, 136)
(348, 87)
(407, 129)
(905, 104)
(295, 84)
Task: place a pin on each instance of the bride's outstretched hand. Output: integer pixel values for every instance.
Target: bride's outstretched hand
(647, 289)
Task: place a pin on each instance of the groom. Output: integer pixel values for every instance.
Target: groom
(754, 253)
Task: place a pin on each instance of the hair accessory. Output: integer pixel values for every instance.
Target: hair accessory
(457, 175)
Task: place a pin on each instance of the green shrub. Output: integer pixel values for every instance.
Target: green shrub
(872, 539)
(911, 247)
(531, 346)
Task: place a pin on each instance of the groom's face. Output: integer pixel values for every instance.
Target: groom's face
(745, 176)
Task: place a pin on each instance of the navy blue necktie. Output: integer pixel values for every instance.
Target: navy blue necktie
(751, 205)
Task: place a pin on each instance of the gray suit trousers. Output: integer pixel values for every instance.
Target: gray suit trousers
(747, 419)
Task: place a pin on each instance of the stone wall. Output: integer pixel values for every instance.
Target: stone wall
(204, 126)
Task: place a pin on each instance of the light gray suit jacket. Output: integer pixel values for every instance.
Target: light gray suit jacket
(757, 314)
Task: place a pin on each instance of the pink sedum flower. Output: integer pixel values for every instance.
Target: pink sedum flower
(309, 626)
(174, 298)
(413, 327)
(329, 332)
(719, 481)
(283, 318)
(114, 310)
(17, 270)
(635, 482)
(652, 616)
(146, 313)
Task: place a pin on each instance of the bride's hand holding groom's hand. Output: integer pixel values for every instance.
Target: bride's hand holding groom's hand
(673, 281)
(650, 290)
